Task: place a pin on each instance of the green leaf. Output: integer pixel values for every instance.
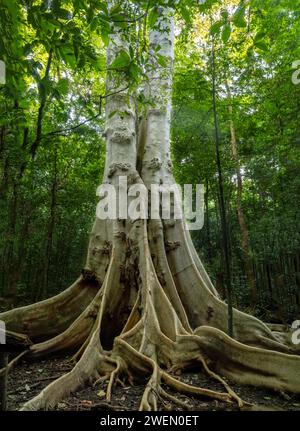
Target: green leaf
(119, 20)
(161, 60)
(76, 47)
(122, 60)
(64, 14)
(81, 61)
(103, 7)
(67, 53)
(261, 45)
(152, 17)
(104, 18)
(90, 14)
(105, 36)
(259, 36)
(116, 9)
(99, 62)
(135, 71)
(185, 14)
(239, 17)
(226, 32)
(24, 103)
(112, 114)
(12, 8)
(63, 86)
(225, 15)
(94, 24)
(215, 28)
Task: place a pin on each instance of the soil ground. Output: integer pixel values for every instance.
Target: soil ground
(29, 378)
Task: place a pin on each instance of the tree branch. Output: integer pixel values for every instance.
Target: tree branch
(88, 120)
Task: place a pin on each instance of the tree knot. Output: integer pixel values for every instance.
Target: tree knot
(169, 223)
(114, 167)
(172, 245)
(169, 165)
(122, 135)
(133, 178)
(88, 275)
(155, 164)
(105, 249)
(122, 235)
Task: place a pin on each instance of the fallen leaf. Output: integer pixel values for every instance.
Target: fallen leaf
(86, 402)
(101, 393)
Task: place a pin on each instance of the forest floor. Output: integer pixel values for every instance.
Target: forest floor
(29, 378)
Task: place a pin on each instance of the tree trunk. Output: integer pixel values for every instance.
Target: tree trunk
(223, 216)
(50, 230)
(207, 212)
(43, 100)
(240, 212)
(13, 270)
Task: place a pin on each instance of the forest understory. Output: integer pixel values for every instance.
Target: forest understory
(29, 378)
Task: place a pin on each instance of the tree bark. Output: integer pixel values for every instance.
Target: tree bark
(50, 230)
(43, 100)
(223, 216)
(207, 212)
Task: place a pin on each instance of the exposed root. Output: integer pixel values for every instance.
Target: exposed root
(13, 363)
(184, 388)
(250, 365)
(101, 380)
(75, 335)
(140, 324)
(151, 393)
(52, 316)
(183, 405)
(112, 379)
(215, 376)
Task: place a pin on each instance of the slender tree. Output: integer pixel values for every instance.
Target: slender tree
(223, 216)
(240, 211)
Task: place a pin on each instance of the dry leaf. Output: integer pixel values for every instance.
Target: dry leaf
(86, 402)
(101, 393)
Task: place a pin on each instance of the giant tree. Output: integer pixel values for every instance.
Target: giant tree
(144, 304)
